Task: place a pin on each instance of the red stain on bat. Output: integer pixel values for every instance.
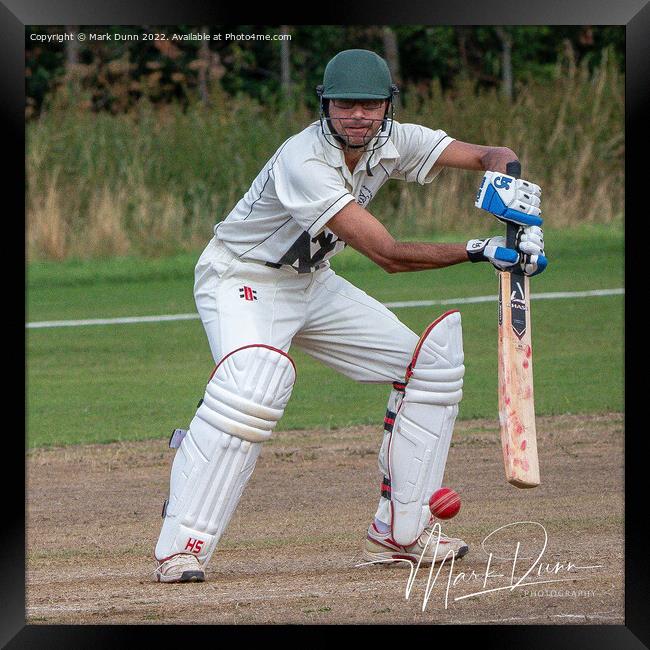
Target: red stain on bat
(529, 351)
(528, 393)
(507, 401)
(523, 445)
(525, 364)
(521, 463)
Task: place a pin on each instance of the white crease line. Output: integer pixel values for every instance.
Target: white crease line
(537, 296)
(391, 305)
(110, 321)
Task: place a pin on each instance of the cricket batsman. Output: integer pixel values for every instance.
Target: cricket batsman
(264, 283)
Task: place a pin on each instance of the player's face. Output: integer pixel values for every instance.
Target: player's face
(357, 121)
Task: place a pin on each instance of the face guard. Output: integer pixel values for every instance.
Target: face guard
(377, 133)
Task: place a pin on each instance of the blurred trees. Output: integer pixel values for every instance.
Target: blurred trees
(114, 75)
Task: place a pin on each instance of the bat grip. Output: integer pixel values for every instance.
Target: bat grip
(513, 169)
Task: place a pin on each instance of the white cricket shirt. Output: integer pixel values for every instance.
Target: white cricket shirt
(282, 218)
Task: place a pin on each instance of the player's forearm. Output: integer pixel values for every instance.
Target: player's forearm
(495, 159)
(417, 256)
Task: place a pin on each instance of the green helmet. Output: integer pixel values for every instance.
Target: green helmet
(357, 74)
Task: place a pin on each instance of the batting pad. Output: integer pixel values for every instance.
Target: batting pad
(244, 399)
(421, 436)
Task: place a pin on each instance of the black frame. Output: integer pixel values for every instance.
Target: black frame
(634, 14)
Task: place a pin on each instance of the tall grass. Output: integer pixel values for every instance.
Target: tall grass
(155, 181)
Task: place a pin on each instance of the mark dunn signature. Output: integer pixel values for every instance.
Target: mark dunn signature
(520, 571)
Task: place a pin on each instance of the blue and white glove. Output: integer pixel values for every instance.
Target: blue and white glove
(510, 199)
(529, 258)
(492, 250)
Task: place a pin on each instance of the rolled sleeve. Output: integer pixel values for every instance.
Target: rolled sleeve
(312, 192)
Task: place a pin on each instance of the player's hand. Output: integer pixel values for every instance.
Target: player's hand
(510, 199)
(492, 250)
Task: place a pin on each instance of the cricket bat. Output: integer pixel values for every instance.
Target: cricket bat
(515, 371)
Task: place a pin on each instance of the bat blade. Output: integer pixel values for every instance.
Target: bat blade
(516, 398)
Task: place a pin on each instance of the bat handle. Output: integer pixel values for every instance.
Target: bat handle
(513, 169)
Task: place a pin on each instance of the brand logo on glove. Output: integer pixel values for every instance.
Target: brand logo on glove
(502, 183)
(480, 189)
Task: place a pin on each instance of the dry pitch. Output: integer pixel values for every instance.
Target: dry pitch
(291, 550)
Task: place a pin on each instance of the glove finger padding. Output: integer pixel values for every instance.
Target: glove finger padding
(533, 264)
(530, 188)
(530, 240)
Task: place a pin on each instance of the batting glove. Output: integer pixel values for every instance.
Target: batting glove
(510, 199)
(492, 250)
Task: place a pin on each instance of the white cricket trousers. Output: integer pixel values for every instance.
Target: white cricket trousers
(242, 303)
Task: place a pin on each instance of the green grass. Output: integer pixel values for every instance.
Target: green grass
(128, 382)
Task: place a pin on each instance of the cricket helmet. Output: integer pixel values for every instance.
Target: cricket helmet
(357, 74)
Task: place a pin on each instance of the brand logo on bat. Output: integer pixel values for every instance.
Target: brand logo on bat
(518, 310)
(247, 293)
(520, 299)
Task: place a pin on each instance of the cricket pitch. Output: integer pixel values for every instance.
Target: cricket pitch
(292, 550)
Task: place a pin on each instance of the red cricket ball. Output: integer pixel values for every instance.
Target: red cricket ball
(444, 503)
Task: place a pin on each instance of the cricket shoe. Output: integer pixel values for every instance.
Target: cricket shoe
(380, 547)
(181, 567)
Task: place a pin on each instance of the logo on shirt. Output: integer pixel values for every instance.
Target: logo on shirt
(247, 293)
(307, 252)
(364, 195)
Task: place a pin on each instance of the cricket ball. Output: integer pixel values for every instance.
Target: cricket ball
(444, 503)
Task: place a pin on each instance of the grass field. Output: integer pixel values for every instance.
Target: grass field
(133, 382)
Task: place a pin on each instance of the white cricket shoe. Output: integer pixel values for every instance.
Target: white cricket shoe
(181, 567)
(381, 547)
